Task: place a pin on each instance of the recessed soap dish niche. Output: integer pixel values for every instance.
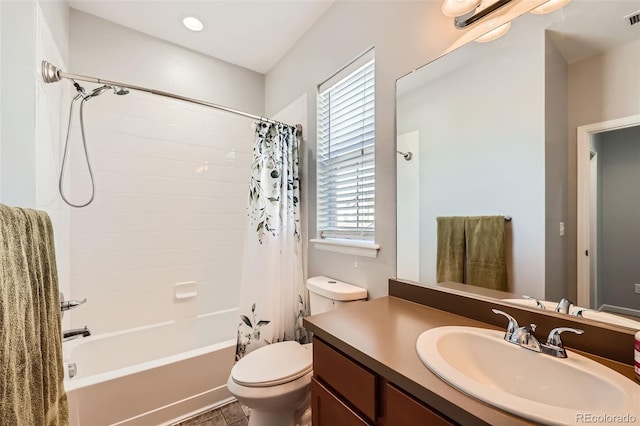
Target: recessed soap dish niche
(185, 290)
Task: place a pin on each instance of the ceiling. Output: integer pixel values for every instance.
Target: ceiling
(254, 34)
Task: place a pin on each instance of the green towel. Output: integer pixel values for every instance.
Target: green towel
(31, 368)
(451, 251)
(485, 261)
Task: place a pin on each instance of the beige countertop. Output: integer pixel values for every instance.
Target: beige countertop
(381, 334)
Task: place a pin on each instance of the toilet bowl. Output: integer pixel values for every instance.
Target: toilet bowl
(274, 381)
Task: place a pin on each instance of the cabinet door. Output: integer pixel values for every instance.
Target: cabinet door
(402, 410)
(346, 378)
(327, 410)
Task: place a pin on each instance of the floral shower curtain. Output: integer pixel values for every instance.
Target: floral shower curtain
(273, 297)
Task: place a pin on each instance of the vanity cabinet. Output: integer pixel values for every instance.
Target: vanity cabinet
(343, 393)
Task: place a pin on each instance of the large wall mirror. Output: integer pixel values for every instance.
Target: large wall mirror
(493, 131)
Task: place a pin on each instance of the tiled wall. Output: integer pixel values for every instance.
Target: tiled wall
(171, 181)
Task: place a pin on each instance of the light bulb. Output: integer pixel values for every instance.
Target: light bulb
(550, 6)
(455, 8)
(494, 34)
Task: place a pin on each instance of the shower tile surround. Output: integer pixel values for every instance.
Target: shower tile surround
(170, 203)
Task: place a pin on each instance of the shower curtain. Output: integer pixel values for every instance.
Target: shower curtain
(273, 297)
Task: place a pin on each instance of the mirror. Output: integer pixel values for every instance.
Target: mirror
(492, 130)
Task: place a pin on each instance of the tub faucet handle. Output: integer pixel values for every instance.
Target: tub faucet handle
(65, 305)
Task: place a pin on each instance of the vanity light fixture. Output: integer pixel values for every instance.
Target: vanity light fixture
(550, 6)
(192, 23)
(494, 34)
(467, 12)
(455, 8)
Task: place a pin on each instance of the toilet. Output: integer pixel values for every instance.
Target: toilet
(274, 380)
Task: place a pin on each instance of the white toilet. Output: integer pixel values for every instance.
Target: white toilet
(274, 380)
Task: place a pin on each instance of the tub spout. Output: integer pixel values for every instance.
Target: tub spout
(75, 333)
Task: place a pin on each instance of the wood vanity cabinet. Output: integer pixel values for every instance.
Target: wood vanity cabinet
(344, 393)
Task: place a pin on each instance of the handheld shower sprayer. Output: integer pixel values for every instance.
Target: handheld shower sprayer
(82, 94)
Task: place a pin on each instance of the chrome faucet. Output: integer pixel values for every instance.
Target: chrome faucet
(563, 306)
(521, 336)
(75, 333)
(525, 337)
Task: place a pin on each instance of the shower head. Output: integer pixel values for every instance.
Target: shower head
(98, 91)
(120, 90)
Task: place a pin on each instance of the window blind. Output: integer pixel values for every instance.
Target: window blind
(346, 154)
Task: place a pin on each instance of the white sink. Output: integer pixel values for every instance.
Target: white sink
(533, 385)
(588, 314)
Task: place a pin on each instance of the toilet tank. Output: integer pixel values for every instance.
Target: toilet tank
(326, 294)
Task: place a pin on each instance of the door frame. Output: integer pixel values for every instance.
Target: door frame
(583, 222)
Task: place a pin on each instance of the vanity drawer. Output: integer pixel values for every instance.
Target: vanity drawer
(327, 410)
(402, 409)
(353, 382)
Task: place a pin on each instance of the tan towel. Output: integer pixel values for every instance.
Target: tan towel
(451, 251)
(31, 368)
(485, 260)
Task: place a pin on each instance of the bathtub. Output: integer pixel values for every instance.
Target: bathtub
(151, 375)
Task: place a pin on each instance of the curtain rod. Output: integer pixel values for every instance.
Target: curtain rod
(52, 74)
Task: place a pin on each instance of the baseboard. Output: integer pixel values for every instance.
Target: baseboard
(201, 411)
(619, 310)
(174, 412)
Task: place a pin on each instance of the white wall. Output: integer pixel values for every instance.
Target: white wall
(485, 158)
(32, 115)
(556, 158)
(405, 34)
(18, 103)
(101, 48)
(408, 202)
(171, 180)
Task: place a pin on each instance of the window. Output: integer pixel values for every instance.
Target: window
(346, 152)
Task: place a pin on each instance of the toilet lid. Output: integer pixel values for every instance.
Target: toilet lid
(273, 365)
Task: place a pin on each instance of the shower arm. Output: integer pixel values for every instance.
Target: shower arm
(52, 74)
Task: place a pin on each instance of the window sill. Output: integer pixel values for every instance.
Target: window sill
(358, 248)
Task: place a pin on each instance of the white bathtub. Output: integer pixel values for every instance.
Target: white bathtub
(151, 375)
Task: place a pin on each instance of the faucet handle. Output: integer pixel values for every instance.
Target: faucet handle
(511, 326)
(554, 344)
(539, 304)
(578, 312)
(554, 335)
(70, 304)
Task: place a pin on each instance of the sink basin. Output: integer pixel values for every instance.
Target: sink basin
(536, 386)
(590, 314)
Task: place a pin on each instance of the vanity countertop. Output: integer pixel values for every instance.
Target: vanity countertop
(381, 334)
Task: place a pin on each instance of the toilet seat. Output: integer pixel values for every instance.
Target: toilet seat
(273, 365)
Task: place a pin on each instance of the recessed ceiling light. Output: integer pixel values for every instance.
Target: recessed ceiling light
(192, 23)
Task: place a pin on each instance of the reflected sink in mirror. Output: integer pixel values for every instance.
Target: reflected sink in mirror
(587, 314)
(532, 385)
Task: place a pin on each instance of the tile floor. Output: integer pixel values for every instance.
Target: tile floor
(233, 414)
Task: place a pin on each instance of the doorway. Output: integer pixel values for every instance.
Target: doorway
(609, 215)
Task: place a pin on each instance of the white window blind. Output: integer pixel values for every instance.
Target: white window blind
(346, 152)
